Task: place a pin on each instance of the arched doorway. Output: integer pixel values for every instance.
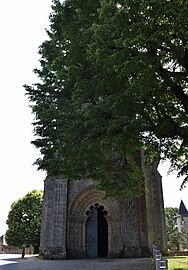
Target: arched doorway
(96, 232)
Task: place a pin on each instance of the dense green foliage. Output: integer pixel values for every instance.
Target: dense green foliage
(171, 228)
(24, 220)
(113, 80)
(170, 217)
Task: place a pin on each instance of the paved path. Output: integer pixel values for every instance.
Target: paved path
(13, 262)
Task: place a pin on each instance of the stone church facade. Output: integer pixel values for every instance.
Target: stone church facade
(79, 222)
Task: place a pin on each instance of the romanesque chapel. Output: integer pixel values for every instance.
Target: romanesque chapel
(79, 222)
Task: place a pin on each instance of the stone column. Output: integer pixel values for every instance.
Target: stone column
(54, 219)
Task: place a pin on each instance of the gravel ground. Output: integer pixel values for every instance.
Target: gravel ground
(14, 262)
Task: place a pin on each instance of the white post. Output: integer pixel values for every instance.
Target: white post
(158, 258)
(164, 264)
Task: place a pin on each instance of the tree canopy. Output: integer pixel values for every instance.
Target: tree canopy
(24, 221)
(113, 80)
(173, 237)
(171, 222)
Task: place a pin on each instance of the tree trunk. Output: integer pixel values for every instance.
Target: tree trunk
(23, 252)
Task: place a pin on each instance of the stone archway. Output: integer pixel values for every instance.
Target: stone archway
(96, 240)
(78, 214)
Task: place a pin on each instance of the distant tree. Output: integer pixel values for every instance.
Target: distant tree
(173, 243)
(113, 80)
(171, 223)
(24, 221)
(172, 234)
(184, 240)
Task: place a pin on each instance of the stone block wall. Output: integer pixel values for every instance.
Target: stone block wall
(54, 219)
(154, 206)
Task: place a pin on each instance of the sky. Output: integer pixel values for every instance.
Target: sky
(22, 31)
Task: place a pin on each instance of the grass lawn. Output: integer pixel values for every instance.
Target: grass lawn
(177, 263)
